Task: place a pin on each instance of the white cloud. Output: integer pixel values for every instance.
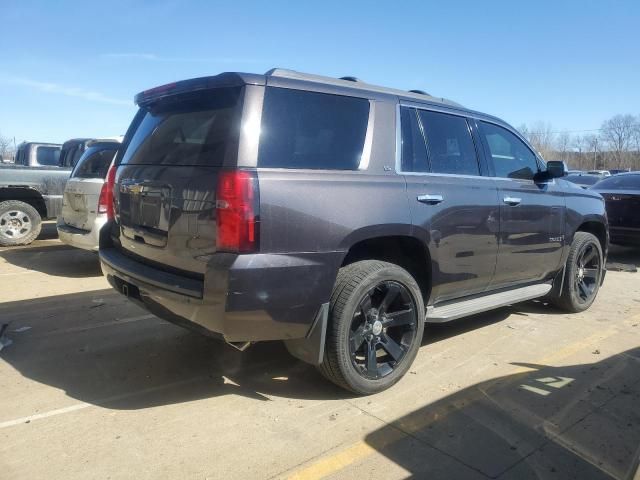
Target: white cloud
(68, 91)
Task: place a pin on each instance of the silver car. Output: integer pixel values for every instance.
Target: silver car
(83, 215)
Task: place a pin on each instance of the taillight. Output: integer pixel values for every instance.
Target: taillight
(237, 204)
(105, 202)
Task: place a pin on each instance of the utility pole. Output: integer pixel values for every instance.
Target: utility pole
(595, 154)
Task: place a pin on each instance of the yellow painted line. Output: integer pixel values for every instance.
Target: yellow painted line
(335, 462)
(360, 450)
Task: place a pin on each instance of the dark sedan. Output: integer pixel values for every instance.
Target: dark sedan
(622, 196)
(583, 180)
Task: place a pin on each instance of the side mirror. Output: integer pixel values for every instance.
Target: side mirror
(556, 169)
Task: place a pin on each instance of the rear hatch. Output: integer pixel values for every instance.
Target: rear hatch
(82, 192)
(165, 192)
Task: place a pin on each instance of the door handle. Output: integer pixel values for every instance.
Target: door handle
(430, 199)
(513, 201)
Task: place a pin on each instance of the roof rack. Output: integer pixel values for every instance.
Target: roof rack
(350, 79)
(356, 83)
(420, 92)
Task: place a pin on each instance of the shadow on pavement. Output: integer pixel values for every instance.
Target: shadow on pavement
(77, 345)
(48, 231)
(56, 259)
(580, 421)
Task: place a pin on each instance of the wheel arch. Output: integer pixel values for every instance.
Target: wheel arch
(405, 251)
(27, 195)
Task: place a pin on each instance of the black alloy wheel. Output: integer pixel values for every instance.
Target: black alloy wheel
(383, 329)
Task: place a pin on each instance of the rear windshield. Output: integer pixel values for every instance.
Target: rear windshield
(69, 156)
(312, 130)
(94, 163)
(47, 155)
(192, 129)
(619, 182)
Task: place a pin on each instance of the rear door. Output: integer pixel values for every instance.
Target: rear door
(531, 214)
(452, 201)
(81, 194)
(165, 184)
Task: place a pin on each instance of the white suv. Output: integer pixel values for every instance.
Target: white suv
(84, 209)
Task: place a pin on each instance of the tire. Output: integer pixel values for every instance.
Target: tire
(370, 303)
(20, 223)
(585, 251)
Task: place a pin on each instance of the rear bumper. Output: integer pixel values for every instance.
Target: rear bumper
(242, 298)
(76, 237)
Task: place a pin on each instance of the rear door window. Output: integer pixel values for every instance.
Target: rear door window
(510, 156)
(47, 155)
(310, 130)
(94, 163)
(200, 128)
(449, 143)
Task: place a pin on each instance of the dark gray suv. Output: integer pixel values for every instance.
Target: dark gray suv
(339, 217)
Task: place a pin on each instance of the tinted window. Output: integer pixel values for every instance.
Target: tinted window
(47, 155)
(511, 157)
(194, 129)
(312, 130)
(94, 163)
(582, 179)
(619, 182)
(449, 143)
(414, 151)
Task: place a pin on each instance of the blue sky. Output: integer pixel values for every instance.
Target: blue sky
(70, 69)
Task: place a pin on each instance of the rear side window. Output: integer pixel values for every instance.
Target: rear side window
(414, 150)
(47, 155)
(511, 157)
(449, 142)
(312, 130)
(94, 163)
(192, 129)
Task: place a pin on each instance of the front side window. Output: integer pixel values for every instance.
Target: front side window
(47, 155)
(414, 151)
(449, 142)
(94, 163)
(510, 156)
(310, 130)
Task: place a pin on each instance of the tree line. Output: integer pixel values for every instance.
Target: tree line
(615, 145)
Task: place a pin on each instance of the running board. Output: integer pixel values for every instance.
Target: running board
(452, 311)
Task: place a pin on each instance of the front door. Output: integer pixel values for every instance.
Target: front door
(531, 214)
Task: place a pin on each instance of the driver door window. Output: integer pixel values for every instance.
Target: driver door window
(510, 156)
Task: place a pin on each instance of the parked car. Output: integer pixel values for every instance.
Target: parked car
(622, 196)
(616, 171)
(72, 150)
(28, 195)
(33, 154)
(575, 172)
(338, 216)
(583, 180)
(602, 173)
(84, 204)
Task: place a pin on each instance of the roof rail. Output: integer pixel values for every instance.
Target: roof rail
(350, 79)
(421, 92)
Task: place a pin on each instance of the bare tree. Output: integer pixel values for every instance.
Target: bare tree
(5, 147)
(563, 144)
(618, 134)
